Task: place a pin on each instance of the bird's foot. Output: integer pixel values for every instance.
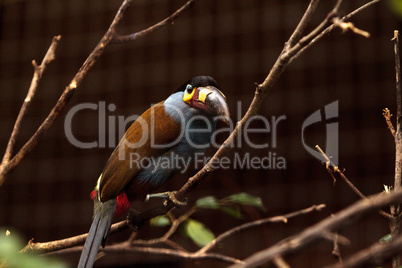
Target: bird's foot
(169, 196)
(131, 218)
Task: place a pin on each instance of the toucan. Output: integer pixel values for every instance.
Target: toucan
(158, 144)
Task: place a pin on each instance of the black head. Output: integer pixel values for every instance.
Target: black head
(199, 81)
(202, 93)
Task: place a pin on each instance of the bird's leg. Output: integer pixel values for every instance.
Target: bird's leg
(169, 196)
(131, 218)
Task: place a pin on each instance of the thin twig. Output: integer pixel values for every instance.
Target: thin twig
(169, 252)
(297, 33)
(126, 248)
(332, 27)
(280, 262)
(175, 245)
(68, 92)
(345, 26)
(398, 170)
(253, 224)
(330, 236)
(44, 247)
(169, 233)
(167, 21)
(260, 93)
(332, 168)
(387, 115)
(395, 221)
(66, 95)
(284, 59)
(337, 6)
(373, 255)
(132, 237)
(180, 252)
(38, 72)
(308, 39)
(336, 251)
(314, 233)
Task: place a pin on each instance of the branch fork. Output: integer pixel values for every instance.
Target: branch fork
(296, 44)
(10, 162)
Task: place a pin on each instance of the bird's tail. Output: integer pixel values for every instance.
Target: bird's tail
(99, 231)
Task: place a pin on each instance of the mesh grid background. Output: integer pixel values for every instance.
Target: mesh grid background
(237, 42)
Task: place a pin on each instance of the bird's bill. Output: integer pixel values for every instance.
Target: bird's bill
(212, 101)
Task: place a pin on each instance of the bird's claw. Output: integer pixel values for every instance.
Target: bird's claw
(172, 198)
(169, 196)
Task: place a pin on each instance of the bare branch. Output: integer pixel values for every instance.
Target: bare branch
(122, 225)
(38, 72)
(67, 242)
(260, 93)
(286, 56)
(167, 21)
(314, 233)
(61, 245)
(332, 168)
(66, 95)
(336, 251)
(125, 248)
(337, 6)
(169, 233)
(334, 236)
(333, 26)
(395, 221)
(345, 26)
(373, 255)
(170, 252)
(297, 33)
(387, 115)
(253, 224)
(398, 168)
(280, 262)
(68, 92)
(358, 10)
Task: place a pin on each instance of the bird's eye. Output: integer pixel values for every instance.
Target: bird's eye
(189, 89)
(188, 93)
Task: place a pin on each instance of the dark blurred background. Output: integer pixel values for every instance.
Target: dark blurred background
(237, 42)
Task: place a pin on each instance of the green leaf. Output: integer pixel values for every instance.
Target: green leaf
(247, 199)
(160, 221)
(10, 256)
(232, 211)
(208, 202)
(386, 239)
(198, 232)
(396, 7)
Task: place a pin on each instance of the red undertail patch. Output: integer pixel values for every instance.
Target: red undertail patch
(122, 207)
